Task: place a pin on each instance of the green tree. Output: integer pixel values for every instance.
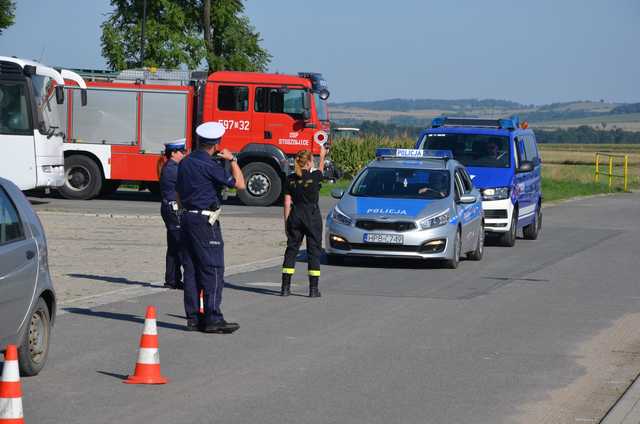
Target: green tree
(7, 14)
(175, 35)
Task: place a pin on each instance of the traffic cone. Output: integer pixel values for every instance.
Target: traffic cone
(10, 391)
(148, 364)
(201, 310)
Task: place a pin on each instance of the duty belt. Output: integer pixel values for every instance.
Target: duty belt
(213, 215)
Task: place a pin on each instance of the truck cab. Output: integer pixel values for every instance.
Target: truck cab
(502, 159)
(30, 122)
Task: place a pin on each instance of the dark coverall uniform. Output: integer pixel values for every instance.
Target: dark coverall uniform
(199, 180)
(304, 221)
(169, 212)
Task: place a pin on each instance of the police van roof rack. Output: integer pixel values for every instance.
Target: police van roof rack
(386, 153)
(445, 121)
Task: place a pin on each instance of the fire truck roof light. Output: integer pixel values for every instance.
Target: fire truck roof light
(392, 153)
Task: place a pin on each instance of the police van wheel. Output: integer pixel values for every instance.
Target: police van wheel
(34, 348)
(83, 179)
(531, 231)
(457, 247)
(508, 239)
(477, 254)
(263, 185)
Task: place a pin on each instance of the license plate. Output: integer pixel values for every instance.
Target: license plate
(384, 238)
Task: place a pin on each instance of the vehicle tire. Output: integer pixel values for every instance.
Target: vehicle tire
(477, 254)
(336, 260)
(34, 349)
(531, 231)
(509, 239)
(457, 247)
(263, 185)
(109, 187)
(83, 179)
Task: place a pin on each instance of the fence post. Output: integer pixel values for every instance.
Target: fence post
(597, 174)
(626, 177)
(610, 172)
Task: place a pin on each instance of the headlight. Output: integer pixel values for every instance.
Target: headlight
(340, 216)
(499, 193)
(435, 221)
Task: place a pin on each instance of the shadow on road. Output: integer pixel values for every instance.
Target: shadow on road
(121, 317)
(117, 280)
(258, 290)
(112, 374)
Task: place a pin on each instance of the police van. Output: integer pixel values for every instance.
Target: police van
(502, 158)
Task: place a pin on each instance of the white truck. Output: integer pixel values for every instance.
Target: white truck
(31, 135)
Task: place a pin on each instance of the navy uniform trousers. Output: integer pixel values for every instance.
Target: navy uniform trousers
(203, 266)
(304, 221)
(173, 274)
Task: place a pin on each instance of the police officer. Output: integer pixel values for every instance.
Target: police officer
(302, 219)
(174, 152)
(200, 178)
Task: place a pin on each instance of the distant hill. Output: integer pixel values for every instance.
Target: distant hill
(430, 104)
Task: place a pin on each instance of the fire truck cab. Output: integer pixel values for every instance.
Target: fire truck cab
(119, 137)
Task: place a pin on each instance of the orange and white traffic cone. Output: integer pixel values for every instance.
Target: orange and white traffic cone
(201, 310)
(10, 391)
(148, 364)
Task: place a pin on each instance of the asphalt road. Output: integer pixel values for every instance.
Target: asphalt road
(389, 341)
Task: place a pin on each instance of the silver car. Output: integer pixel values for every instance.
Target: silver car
(27, 298)
(408, 203)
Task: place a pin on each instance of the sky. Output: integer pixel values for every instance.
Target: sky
(533, 52)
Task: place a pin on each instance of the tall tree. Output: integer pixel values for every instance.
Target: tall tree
(181, 33)
(7, 14)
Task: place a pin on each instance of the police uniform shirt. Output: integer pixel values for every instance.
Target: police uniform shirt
(168, 179)
(304, 190)
(199, 178)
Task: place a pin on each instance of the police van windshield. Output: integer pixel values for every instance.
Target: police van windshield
(402, 183)
(480, 150)
(321, 107)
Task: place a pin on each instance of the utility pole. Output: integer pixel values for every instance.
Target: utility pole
(144, 21)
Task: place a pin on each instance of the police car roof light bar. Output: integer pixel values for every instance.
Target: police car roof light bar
(444, 121)
(383, 153)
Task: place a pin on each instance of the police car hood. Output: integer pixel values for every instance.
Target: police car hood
(490, 177)
(390, 208)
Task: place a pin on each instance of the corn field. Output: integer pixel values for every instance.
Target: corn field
(350, 154)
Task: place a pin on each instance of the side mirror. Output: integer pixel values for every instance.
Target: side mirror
(337, 193)
(468, 199)
(525, 166)
(59, 94)
(83, 97)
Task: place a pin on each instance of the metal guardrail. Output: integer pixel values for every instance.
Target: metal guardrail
(610, 168)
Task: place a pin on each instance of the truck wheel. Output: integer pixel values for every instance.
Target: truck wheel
(263, 185)
(83, 179)
(34, 348)
(531, 231)
(509, 239)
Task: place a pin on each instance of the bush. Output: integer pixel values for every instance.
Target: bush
(350, 154)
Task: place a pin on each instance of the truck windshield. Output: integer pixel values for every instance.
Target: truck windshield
(14, 110)
(402, 183)
(48, 110)
(321, 108)
(479, 150)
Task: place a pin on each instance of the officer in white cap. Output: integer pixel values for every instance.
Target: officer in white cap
(200, 179)
(173, 152)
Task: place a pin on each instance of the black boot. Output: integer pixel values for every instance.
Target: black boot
(285, 290)
(313, 287)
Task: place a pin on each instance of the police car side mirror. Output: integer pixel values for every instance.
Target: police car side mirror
(468, 199)
(337, 193)
(525, 166)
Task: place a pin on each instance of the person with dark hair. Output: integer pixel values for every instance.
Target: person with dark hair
(173, 152)
(200, 179)
(302, 219)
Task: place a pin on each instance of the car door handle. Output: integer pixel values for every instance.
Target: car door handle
(30, 254)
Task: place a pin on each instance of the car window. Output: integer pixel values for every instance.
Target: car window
(530, 148)
(459, 186)
(11, 228)
(522, 151)
(233, 98)
(275, 100)
(476, 150)
(402, 183)
(466, 180)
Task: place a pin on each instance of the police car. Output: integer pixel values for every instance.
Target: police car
(408, 203)
(502, 158)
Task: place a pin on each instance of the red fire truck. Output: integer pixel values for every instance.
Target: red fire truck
(119, 136)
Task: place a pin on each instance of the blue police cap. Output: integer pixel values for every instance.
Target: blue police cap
(180, 144)
(210, 132)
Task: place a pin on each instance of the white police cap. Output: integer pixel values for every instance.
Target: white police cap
(210, 132)
(180, 144)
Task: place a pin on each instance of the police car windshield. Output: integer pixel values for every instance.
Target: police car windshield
(402, 183)
(479, 150)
